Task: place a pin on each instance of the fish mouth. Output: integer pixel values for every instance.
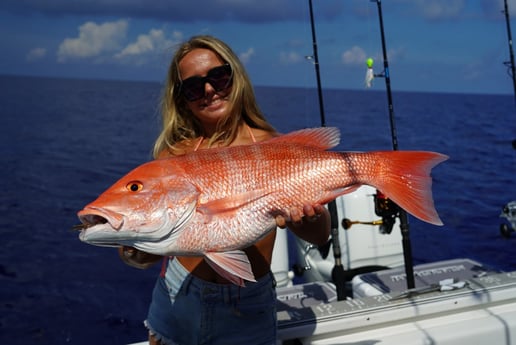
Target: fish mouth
(89, 221)
(99, 226)
(94, 216)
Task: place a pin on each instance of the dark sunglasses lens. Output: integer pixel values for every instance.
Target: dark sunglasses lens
(193, 88)
(219, 78)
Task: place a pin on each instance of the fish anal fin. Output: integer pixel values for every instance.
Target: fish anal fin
(334, 194)
(231, 203)
(233, 266)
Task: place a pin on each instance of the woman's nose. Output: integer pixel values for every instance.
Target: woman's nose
(208, 89)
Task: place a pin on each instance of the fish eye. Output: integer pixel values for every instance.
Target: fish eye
(134, 186)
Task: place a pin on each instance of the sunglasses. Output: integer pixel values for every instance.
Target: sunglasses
(219, 78)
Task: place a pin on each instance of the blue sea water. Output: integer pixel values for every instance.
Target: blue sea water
(64, 141)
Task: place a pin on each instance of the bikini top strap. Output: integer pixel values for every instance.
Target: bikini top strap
(198, 144)
(250, 131)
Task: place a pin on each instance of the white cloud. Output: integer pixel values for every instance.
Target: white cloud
(357, 56)
(36, 53)
(107, 42)
(147, 46)
(94, 40)
(290, 57)
(441, 9)
(245, 57)
(354, 56)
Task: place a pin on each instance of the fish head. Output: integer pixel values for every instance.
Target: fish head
(146, 205)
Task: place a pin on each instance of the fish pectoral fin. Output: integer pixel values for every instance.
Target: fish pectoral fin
(231, 203)
(233, 266)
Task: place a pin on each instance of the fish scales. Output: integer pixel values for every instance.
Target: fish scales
(216, 202)
(296, 167)
(297, 176)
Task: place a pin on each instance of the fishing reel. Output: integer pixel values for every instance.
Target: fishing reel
(387, 209)
(384, 208)
(298, 269)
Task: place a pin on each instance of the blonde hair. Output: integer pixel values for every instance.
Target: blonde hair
(180, 125)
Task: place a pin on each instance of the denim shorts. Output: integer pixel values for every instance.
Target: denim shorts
(187, 310)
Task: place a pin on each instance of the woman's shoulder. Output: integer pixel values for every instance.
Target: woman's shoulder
(262, 135)
(178, 149)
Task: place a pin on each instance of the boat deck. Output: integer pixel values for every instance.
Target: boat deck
(482, 311)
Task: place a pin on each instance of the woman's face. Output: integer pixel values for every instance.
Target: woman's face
(213, 106)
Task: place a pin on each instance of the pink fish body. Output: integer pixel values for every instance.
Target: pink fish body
(213, 203)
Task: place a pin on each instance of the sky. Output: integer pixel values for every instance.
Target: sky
(457, 46)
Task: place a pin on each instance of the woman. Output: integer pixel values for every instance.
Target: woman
(209, 102)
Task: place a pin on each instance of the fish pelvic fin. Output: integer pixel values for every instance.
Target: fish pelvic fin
(322, 138)
(233, 266)
(405, 178)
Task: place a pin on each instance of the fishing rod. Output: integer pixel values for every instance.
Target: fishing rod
(510, 64)
(338, 275)
(404, 226)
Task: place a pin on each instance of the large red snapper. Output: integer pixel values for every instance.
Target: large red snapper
(213, 203)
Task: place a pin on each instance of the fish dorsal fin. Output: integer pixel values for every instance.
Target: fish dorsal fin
(322, 138)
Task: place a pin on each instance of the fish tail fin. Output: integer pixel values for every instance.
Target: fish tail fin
(405, 178)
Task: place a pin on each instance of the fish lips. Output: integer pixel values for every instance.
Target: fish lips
(100, 226)
(92, 216)
(104, 237)
(104, 227)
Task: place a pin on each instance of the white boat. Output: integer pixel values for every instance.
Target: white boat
(454, 302)
(448, 302)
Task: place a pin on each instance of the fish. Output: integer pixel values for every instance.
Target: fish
(214, 203)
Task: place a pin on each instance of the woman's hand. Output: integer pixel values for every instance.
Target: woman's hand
(312, 224)
(136, 258)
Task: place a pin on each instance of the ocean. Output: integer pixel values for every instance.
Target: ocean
(64, 141)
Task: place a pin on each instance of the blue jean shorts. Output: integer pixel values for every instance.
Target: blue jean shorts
(187, 310)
